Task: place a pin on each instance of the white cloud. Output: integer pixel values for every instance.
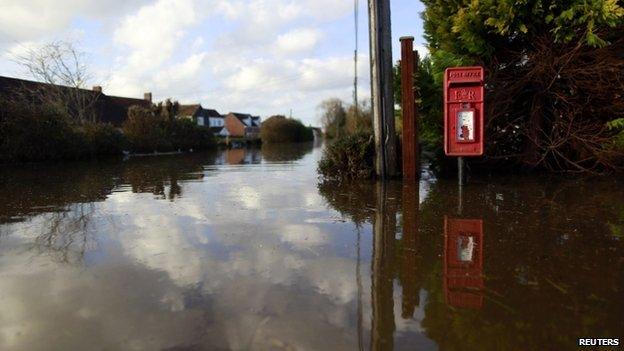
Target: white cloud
(182, 74)
(22, 20)
(328, 10)
(153, 32)
(299, 40)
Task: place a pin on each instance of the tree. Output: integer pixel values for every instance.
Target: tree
(61, 65)
(555, 73)
(359, 119)
(333, 116)
(168, 111)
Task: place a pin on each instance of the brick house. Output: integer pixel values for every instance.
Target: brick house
(242, 125)
(106, 108)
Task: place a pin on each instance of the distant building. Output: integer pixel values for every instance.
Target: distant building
(243, 125)
(106, 108)
(204, 117)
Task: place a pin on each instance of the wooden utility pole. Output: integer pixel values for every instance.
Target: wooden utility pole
(381, 88)
(410, 154)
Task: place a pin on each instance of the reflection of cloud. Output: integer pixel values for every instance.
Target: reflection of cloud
(116, 306)
(248, 196)
(233, 264)
(333, 277)
(303, 235)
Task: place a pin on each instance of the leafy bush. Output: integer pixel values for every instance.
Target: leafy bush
(144, 131)
(104, 139)
(31, 132)
(185, 135)
(148, 132)
(279, 129)
(349, 157)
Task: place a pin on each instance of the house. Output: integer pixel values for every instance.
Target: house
(204, 117)
(105, 108)
(242, 125)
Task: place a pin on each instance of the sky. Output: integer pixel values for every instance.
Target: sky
(263, 57)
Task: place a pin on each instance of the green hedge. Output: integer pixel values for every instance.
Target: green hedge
(147, 132)
(349, 157)
(279, 129)
(35, 132)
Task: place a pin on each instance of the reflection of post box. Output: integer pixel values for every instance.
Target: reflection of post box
(463, 111)
(463, 262)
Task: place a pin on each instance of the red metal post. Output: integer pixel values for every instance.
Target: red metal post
(411, 165)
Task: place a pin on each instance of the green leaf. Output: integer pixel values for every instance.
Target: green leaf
(616, 124)
(594, 40)
(523, 28)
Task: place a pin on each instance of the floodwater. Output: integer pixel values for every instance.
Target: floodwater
(245, 250)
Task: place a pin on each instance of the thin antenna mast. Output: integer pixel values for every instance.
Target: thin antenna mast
(355, 57)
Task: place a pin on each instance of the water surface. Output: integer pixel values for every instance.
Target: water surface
(245, 250)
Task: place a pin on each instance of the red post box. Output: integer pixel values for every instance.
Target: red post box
(463, 262)
(463, 111)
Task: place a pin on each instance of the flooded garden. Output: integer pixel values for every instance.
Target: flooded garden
(246, 249)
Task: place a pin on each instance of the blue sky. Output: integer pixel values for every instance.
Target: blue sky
(259, 56)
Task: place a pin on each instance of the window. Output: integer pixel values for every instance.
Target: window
(200, 121)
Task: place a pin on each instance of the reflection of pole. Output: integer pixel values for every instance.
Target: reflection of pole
(358, 279)
(382, 293)
(408, 274)
(460, 171)
(460, 182)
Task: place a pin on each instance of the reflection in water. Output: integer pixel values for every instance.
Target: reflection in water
(463, 262)
(243, 250)
(286, 153)
(382, 300)
(67, 235)
(408, 269)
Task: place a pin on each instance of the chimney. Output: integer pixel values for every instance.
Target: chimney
(97, 88)
(147, 97)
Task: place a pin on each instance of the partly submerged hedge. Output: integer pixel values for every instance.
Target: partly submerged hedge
(279, 129)
(103, 139)
(349, 157)
(147, 132)
(39, 132)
